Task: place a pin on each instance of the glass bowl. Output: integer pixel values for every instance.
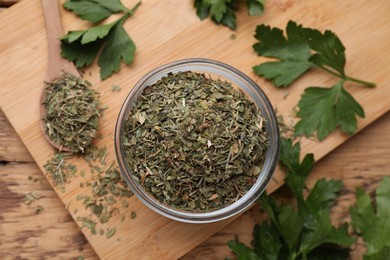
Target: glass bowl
(215, 69)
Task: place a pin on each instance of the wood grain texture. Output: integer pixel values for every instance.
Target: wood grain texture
(7, 3)
(358, 162)
(153, 236)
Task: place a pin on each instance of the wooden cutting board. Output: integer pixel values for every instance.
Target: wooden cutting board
(165, 31)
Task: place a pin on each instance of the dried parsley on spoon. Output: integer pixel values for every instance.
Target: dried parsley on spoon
(72, 113)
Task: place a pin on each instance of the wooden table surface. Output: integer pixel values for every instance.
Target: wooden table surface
(24, 234)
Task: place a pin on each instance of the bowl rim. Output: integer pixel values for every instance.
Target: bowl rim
(219, 214)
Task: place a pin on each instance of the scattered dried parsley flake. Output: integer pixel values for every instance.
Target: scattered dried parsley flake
(107, 187)
(111, 232)
(115, 88)
(194, 143)
(59, 169)
(30, 198)
(39, 209)
(88, 223)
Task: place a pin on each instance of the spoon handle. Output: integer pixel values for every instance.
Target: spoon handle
(56, 65)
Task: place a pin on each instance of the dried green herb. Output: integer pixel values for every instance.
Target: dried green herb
(88, 223)
(111, 232)
(72, 112)
(39, 209)
(115, 88)
(59, 169)
(133, 215)
(194, 142)
(106, 184)
(30, 197)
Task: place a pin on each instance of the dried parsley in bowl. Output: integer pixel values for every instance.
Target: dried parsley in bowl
(194, 143)
(72, 112)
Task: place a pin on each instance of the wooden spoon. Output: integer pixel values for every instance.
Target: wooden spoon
(57, 65)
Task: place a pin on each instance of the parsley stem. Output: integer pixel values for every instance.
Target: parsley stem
(331, 72)
(347, 78)
(132, 10)
(366, 83)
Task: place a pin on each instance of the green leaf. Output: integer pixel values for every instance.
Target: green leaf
(345, 110)
(242, 251)
(118, 47)
(323, 194)
(82, 47)
(229, 19)
(94, 10)
(297, 172)
(329, 48)
(384, 253)
(220, 11)
(289, 158)
(323, 109)
(266, 243)
(202, 9)
(97, 32)
(72, 36)
(217, 8)
(329, 253)
(291, 223)
(373, 226)
(318, 230)
(282, 73)
(255, 7)
(292, 51)
(288, 221)
(81, 55)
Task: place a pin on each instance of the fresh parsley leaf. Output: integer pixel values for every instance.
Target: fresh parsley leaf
(202, 9)
(330, 50)
(323, 109)
(329, 253)
(217, 8)
(118, 47)
(81, 55)
(319, 230)
(94, 10)
(287, 221)
(229, 19)
(289, 158)
(373, 224)
(323, 194)
(242, 251)
(292, 51)
(303, 232)
(82, 47)
(255, 7)
(266, 243)
(220, 11)
(384, 253)
(301, 50)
